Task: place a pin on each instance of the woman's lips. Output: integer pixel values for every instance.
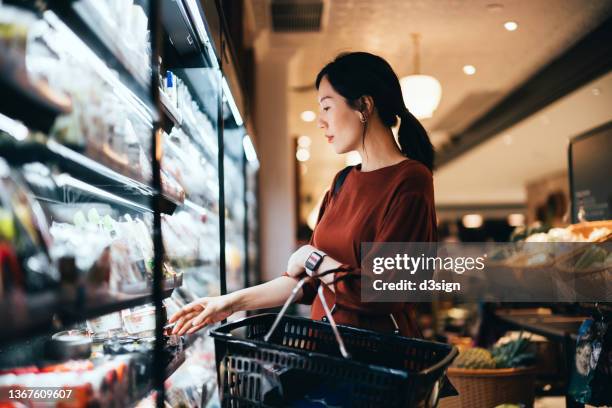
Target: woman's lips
(329, 139)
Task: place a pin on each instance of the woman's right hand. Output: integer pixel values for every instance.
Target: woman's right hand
(201, 312)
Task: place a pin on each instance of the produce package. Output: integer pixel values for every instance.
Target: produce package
(592, 371)
(24, 237)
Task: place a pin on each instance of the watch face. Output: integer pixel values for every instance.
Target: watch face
(313, 261)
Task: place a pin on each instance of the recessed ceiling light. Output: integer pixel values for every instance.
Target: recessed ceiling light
(304, 141)
(516, 220)
(510, 25)
(472, 221)
(302, 155)
(308, 116)
(469, 69)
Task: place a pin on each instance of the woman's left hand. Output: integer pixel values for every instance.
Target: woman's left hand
(295, 265)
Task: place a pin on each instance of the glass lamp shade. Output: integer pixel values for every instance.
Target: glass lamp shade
(422, 94)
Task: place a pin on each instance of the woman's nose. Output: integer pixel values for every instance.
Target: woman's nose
(320, 123)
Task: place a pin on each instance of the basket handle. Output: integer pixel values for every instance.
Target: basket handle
(294, 293)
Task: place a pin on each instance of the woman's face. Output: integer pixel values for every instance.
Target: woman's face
(341, 124)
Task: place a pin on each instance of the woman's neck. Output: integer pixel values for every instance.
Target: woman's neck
(380, 148)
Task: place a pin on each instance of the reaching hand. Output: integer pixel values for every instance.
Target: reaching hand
(197, 314)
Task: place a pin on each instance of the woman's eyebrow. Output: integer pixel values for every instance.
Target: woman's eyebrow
(324, 98)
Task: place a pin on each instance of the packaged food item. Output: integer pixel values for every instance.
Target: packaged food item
(106, 326)
(140, 321)
(592, 371)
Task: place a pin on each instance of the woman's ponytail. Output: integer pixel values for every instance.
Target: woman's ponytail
(413, 139)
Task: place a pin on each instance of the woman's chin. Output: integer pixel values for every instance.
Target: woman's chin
(341, 149)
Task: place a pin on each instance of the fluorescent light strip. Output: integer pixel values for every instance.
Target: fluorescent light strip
(190, 204)
(63, 180)
(80, 51)
(232, 103)
(194, 11)
(14, 128)
(249, 150)
(96, 167)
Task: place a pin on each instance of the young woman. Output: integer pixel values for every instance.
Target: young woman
(388, 198)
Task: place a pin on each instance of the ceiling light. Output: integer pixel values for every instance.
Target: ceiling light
(422, 93)
(353, 158)
(510, 25)
(308, 116)
(469, 69)
(472, 221)
(516, 220)
(302, 154)
(304, 141)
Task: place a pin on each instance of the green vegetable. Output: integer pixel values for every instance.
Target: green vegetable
(594, 254)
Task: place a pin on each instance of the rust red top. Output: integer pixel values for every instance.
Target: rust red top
(390, 204)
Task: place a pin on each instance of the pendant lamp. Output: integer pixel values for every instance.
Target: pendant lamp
(421, 93)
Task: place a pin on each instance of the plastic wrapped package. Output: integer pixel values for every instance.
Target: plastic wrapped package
(24, 237)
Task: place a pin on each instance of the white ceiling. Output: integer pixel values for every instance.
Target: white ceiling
(453, 33)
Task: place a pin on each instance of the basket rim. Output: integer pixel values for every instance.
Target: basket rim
(490, 372)
(222, 333)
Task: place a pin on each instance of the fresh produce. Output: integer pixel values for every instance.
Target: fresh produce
(508, 355)
(513, 354)
(592, 256)
(475, 358)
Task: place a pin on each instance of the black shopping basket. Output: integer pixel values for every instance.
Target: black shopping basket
(311, 363)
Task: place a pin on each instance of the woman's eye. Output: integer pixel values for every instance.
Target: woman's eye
(326, 109)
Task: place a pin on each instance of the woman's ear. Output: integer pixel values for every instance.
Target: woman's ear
(366, 105)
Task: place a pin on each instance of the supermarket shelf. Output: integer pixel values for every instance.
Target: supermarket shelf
(27, 315)
(87, 170)
(36, 105)
(170, 111)
(551, 326)
(175, 363)
(85, 27)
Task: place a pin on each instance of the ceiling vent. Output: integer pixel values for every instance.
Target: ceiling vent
(296, 16)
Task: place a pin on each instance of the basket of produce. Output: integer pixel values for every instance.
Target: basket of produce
(535, 265)
(587, 273)
(487, 378)
(275, 360)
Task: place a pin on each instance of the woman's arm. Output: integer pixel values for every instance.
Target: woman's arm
(270, 294)
(295, 266)
(207, 310)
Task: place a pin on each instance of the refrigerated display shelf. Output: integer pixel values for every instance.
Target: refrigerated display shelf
(170, 112)
(176, 362)
(27, 315)
(87, 170)
(21, 97)
(85, 28)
